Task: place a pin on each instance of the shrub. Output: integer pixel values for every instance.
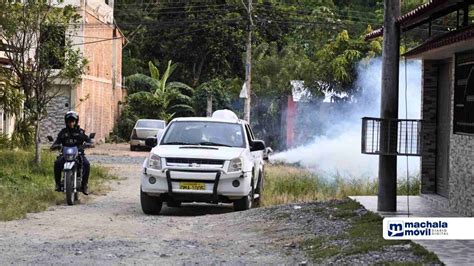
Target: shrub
(220, 96)
(139, 82)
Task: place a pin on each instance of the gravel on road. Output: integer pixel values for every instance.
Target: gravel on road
(112, 229)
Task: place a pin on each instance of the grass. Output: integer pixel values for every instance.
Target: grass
(25, 187)
(290, 184)
(364, 235)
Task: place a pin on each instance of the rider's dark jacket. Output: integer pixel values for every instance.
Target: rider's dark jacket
(71, 137)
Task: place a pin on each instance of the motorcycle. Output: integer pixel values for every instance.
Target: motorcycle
(72, 172)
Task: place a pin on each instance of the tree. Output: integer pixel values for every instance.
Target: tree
(139, 82)
(34, 40)
(165, 98)
(11, 99)
(335, 64)
(292, 39)
(274, 70)
(215, 89)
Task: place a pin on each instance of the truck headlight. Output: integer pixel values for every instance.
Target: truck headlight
(235, 165)
(154, 162)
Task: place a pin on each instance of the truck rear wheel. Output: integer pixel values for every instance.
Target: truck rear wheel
(259, 190)
(150, 205)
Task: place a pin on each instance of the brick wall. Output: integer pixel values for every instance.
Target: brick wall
(429, 117)
(102, 84)
(96, 98)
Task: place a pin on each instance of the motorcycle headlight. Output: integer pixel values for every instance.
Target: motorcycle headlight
(235, 165)
(154, 162)
(69, 157)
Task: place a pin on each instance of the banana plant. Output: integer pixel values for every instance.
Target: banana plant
(172, 96)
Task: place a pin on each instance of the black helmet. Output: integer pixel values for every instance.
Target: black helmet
(71, 115)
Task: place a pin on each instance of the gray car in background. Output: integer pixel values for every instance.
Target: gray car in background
(143, 129)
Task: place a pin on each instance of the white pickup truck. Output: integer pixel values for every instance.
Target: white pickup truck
(200, 159)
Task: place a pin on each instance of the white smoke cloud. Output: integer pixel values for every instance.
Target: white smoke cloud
(338, 149)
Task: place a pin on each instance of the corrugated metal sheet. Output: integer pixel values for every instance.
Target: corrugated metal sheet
(443, 40)
(416, 15)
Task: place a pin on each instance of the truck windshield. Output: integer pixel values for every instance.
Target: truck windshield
(204, 133)
(151, 124)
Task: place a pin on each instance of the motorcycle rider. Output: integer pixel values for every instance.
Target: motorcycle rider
(71, 136)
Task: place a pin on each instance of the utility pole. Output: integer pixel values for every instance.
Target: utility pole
(387, 194)
(209, 104)
(248, 61)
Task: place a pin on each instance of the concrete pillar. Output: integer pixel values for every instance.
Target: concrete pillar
(387, 193)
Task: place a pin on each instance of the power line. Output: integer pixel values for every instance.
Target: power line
(161, 23)
(179, 7)
(160, 12)
(88, 37)
(84, 43)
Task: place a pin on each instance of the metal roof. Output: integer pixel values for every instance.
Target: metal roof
(374, 34)
(425, 10)
(417, 15)
(449, 38)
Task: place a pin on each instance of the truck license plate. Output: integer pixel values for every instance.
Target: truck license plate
(192, 186)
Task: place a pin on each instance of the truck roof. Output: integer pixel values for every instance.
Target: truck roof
(144, 119)
(210, 119)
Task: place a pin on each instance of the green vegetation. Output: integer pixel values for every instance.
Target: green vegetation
(26, 187)
(288, 184)
(363, 236)
(26, 86)
(217, 90)
(153, 97)
(318, 42)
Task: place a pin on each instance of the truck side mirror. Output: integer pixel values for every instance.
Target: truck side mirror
(151, 142)
(267, 152)
(257, 145)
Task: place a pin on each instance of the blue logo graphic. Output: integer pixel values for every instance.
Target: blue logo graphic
(395, 229)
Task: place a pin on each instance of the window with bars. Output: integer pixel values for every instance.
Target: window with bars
(391, 136)
(464, 94)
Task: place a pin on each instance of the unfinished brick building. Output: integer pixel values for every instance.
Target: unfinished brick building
(97, 97)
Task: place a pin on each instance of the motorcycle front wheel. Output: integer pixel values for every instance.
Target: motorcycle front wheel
(69, 183)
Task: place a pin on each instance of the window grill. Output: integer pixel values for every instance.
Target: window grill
(196, 161)
(383, 136)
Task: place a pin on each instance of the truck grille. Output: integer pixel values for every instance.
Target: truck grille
(194, 162)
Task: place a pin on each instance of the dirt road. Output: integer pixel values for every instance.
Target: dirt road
(112, 229)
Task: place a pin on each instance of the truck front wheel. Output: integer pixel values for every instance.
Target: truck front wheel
(150, 205)
(245, 203)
